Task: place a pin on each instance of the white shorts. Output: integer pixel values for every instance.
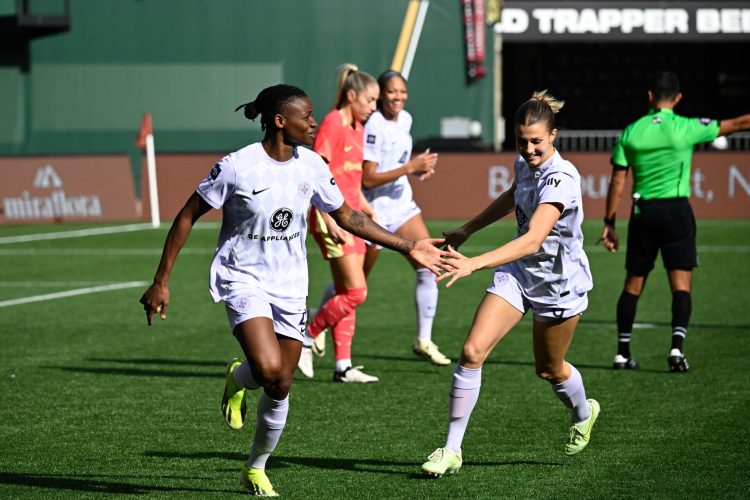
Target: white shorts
(289, 321)
(506, 286)
(410, 211)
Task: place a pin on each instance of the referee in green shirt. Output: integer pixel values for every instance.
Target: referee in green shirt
(658, 148)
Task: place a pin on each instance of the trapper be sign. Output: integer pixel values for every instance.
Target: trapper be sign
(545, 23)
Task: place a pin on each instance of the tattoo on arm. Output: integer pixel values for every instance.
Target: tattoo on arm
(366, 228)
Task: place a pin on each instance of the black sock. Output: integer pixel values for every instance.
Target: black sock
(626, 307)
(682, 306)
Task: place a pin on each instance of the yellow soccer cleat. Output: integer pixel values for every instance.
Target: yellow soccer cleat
(442, 461)
(256, 482)
(233, 406)
(426, 348)
(580, 433)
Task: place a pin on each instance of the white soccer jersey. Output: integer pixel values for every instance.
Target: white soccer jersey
(560, 267)
(261, 248)
(388, 143)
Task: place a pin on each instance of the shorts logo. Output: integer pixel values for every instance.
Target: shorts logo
(304, 190)
(333, 182)
(706, 121)
(404, 158)
(242, 304)
(656, 120)
(215, 172)
(520, 216)
(370, 139)
(501, 279)
(281, 219)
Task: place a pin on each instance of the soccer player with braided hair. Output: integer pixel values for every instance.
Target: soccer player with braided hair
(543, 269)
(259, 269)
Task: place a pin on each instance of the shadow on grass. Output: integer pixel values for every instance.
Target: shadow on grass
(90, 484)
(161, 361)
(136, 372)
(350, 464)
(663, 324)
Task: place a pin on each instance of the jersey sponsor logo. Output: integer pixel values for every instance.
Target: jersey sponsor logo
(520, 216)
(304, 190)
(706, 121)
(347, 148)
(403, 157)
(281, 219)
(215, 172)
(552, 182)
(258, 191)
(370, 138)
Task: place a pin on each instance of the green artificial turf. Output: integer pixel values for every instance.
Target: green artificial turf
(94, 403)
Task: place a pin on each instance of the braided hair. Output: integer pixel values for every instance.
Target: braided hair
(269, 103)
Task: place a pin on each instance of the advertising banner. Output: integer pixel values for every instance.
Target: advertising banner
(44, 189)
(465, 183)
(624, 21)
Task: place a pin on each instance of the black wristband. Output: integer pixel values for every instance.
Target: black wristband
(610, 222)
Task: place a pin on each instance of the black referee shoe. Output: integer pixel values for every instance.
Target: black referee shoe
(677, 361)
(622, 363)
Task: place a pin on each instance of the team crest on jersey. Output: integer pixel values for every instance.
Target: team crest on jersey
(520, 216)
(304, 190)
(281, 219)
(215, 172)
(403, 158)
(370, 138)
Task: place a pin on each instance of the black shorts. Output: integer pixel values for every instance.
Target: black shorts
(661, 225)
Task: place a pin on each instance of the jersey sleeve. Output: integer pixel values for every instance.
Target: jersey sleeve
(219, 183)
(373, 142)
(698, 130)
(618, 159)
(559, 187)
(327, 196)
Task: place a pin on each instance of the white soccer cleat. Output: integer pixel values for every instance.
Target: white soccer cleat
(354, 374)
(319, 344)
(305, 363)
(426, 348)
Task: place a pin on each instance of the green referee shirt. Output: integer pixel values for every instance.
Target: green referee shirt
(659, 148)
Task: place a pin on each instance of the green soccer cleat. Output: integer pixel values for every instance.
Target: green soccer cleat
(580, 433)
(442, 461)
(256, 482)
(233, 406)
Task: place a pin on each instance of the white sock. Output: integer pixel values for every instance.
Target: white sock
(271, 421)
(464, 394)
(425, 299)
(573, 395)
(243, 376)
(343, 364)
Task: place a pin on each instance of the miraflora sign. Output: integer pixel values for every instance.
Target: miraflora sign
(624, 21)
(57, 189)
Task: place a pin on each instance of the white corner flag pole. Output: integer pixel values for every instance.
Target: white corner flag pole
(152, 189)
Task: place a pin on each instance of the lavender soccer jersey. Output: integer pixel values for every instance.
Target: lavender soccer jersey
(388, 143)
(560, 267)
(261, 248)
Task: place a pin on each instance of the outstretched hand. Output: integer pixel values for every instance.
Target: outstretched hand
(460, 267)
(455, 238)
(155, 300)
(427, 253)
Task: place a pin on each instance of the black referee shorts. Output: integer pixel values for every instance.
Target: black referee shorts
(666, 225)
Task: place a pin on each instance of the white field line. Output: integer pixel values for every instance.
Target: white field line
(72, 293)
(78, 233)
